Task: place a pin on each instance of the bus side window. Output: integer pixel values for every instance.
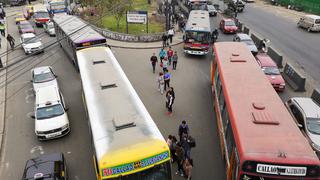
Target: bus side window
(229, 139)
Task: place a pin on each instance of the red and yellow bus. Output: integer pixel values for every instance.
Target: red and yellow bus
(259, 138)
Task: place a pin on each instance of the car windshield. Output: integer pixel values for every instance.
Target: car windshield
(313, 125)
(41, 15)
(248, 42)
(229, 23)
(210, 7)
(25, 26)
(49, 112)
(43, 77)
(271, 70)
(31, 40)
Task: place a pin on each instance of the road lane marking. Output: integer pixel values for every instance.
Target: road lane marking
(36, 149)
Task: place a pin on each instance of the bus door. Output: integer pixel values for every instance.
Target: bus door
(233, 171)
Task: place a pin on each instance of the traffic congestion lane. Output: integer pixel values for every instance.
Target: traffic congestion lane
(20, 142)
(193, 103)
(293, 42)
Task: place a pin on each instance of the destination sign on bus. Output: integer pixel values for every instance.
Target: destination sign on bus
(281, 170)
(135, 165)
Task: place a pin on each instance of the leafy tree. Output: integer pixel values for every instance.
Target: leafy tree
(119, 8)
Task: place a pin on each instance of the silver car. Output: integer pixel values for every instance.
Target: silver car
(49, 28)
(212, 10)
(241, 37)
(307, 115)
(43, 76)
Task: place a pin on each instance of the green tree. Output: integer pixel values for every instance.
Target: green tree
(118, 8)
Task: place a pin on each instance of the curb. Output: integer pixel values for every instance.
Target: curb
(3, 99)
(151, 47)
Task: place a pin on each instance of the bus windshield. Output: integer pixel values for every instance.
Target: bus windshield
(198, 37)
(41, 15)
(159, 172)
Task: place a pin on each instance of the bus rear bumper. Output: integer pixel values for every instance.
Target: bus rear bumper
(201, 53)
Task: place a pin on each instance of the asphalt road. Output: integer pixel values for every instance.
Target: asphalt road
(20, 142)
(294, 43)
(193, 103)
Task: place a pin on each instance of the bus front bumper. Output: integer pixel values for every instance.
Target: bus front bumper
(193, 52)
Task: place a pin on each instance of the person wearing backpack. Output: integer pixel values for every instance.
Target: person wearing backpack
(183, 129)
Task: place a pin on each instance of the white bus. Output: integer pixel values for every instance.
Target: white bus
(127, 143)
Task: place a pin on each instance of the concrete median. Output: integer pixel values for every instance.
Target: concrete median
(316, 96)
(293, 78)
(277, 58)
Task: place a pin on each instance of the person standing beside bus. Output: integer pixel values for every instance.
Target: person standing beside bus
(154, 61)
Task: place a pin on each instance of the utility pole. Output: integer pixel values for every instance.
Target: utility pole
(167, 13)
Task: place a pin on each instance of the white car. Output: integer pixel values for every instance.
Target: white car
(31, 43)
(306, 113)
(51, 119)
(42, 77)
(49, 28)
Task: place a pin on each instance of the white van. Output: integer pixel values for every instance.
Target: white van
(51, 119)
(310, 22)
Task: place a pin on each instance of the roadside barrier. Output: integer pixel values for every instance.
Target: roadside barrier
(294, 79)
(246, 30)
(277, 58)
(257, 40)
(316, 95)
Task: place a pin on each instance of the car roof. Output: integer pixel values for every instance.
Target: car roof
(28, 35)
(312, 16)
(265, 60)
(42, 69)
(43, 164)
(47, 94)
(243, 36)
(310, 108)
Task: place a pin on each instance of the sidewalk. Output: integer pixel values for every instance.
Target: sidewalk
(3, 86)
(177, 39)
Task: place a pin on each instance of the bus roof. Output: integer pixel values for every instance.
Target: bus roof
(122, 129)
(262, 126)
(80, 31)
(198, 21)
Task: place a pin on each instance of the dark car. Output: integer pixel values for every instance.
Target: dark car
(46, 167)
(25, 27)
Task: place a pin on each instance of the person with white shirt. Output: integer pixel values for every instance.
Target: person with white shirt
(170, 34)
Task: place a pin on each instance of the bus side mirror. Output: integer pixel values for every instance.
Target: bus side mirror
(300, 125)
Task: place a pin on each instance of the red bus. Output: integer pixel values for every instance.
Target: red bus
(259, 138)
